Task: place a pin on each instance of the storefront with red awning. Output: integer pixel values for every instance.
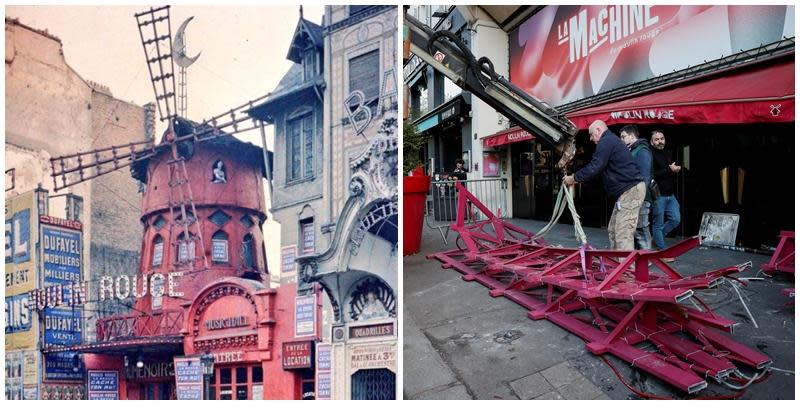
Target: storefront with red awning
(717, 80)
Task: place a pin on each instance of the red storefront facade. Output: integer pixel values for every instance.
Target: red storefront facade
(217, 299)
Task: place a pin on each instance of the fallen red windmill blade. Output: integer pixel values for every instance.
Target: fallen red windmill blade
(610, 299)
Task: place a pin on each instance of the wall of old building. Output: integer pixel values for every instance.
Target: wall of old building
(52, 111)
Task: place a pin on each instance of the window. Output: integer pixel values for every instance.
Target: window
(185, 248)
(158, 250)
(219, 247)
(309, 64)
(307, 234)
(365, 75)
(249, 251)
(300, 145)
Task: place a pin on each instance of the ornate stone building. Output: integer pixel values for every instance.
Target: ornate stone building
(342, 227)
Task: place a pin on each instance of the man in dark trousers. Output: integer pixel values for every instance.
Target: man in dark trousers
(643, 157)
(664, 169)
(621, 180)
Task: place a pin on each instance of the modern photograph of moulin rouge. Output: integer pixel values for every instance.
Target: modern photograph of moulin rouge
(599, 202)
(201, 202)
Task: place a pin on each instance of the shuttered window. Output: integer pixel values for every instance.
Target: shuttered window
(365, 75)
(300, 139)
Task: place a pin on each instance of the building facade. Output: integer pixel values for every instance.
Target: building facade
(340, 232)
(51, 111)
(627, 65)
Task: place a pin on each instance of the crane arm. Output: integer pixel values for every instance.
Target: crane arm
(446, 53)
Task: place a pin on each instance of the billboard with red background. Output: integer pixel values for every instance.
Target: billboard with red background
(567, 53)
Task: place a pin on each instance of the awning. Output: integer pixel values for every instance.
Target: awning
(756, 94)
(511, 135)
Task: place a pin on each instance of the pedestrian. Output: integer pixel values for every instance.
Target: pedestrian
(666, 205)
(460, 172)
(621, 180)
(643, 157)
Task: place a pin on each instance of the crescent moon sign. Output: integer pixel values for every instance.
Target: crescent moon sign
(179, 47)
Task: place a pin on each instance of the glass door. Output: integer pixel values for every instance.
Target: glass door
(237, 383)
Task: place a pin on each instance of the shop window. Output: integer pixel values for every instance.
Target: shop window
(158, 251)
(241, 383)
(307, 235)
(249, 251)
(300, 144)
(186, 248)
(364, 76)
(219, 247)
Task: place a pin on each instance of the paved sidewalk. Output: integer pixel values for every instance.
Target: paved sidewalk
(461, 343)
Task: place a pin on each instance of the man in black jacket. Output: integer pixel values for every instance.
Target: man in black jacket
(640, 151)
(621, 180)
(664, 170)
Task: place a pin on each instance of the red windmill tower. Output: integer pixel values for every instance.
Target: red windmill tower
(202, 211)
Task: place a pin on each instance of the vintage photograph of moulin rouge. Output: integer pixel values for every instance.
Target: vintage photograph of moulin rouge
(201, 202)
(603, 201)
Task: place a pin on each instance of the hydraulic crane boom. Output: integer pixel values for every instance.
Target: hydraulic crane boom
(445, 52)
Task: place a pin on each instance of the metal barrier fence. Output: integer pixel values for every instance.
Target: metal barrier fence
(440, 207)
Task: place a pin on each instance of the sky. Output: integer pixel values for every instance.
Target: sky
(243, 57)
(243, 50)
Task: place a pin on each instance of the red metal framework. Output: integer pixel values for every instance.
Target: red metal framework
(614, 300)
(131, 326)
(783, 258)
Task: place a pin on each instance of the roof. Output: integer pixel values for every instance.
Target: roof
(246, 150)
(292, 84)
(304, 31)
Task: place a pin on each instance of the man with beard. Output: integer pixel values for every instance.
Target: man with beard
(666, 205)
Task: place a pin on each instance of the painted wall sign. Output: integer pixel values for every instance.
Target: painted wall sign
(288, 255)
(60, 222)
(225, 323)
(103, 384)
(61, 255)
(305, 315)
(59, 367)
(566, 53)
(188, 378)
(62, 326)
(367, 331)
(297, 355)
(21, 328)
(373, 356)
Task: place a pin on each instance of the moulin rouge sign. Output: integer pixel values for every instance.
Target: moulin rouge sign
(105, 289)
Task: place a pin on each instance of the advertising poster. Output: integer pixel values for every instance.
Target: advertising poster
(566, 53)
(61, 367)
(491, 164)
(21, 231)
(288, 255)
(305, 315)
(103, 385)
(14, 375)
(324, 370)
(188, 378)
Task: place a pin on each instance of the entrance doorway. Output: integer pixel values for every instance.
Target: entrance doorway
(157, 390)
(373, 384)
(241, 382)
(522, 180)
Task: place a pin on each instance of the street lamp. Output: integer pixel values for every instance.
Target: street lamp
(207, 362)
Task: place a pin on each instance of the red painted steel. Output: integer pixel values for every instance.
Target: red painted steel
(783, 258)
(614, 300)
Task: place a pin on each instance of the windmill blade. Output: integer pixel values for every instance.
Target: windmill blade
(155, 31)
(77, 168)
(232, 122)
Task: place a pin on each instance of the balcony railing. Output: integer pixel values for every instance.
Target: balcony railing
(120, 327)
